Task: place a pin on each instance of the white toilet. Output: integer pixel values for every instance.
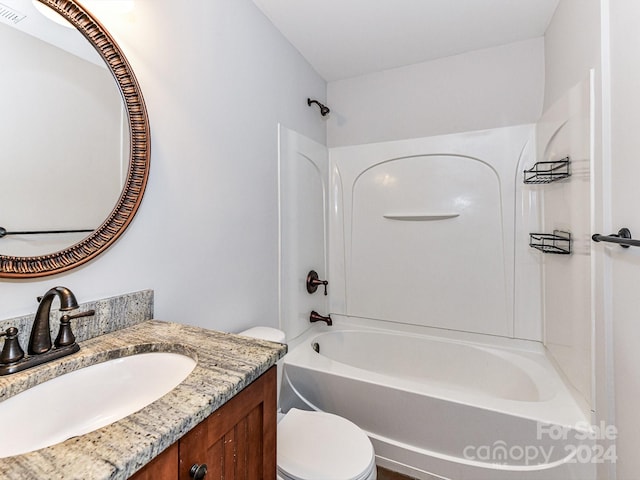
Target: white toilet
(318, 445)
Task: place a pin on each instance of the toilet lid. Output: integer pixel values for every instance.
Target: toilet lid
(318, 445)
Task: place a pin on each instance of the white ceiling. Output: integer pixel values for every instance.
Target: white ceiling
(347, 38)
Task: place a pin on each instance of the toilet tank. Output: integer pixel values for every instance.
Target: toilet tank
(271, 335)
(265, 333)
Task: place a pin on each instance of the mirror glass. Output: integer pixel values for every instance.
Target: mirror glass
(63, 134)
(73, 150)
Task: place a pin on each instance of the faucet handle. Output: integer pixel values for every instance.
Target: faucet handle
(11, 351)
(313, 281)
(66, 317)
(65, 335)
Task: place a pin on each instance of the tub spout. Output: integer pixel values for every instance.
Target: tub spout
(316, 317)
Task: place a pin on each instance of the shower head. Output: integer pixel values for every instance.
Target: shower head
(324, 110)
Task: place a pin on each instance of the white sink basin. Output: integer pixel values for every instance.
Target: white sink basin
(87, 399)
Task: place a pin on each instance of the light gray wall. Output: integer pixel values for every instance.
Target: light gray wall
(217, 78)
(490, 88)
(625, 196)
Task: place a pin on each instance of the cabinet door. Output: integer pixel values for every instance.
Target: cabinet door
(237, 441)
(163, 467)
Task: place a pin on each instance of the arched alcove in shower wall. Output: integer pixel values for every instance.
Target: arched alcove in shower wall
(427, 244)
(423, 231)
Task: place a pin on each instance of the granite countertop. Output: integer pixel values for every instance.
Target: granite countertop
(226, 363)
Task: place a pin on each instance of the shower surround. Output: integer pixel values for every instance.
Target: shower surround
(430, 279)
(425, 232)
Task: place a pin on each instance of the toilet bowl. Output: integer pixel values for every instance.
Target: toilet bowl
(318, 445)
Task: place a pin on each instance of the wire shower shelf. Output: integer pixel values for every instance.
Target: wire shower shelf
(559, 242)
(547, 172)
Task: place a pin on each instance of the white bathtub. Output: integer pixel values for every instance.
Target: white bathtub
(439, 406)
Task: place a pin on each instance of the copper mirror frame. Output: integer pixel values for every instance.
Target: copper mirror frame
(131, 196)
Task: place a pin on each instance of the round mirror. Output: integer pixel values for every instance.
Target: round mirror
(74, 142)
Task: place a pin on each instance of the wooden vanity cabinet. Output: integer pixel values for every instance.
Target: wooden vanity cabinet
(236, 442)
(163, 467)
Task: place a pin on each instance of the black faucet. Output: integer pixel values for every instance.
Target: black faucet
(40, 349)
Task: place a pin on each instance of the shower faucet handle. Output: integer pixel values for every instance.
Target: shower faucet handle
(313, 281)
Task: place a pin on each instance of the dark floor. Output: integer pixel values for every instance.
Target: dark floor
(384, 474)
